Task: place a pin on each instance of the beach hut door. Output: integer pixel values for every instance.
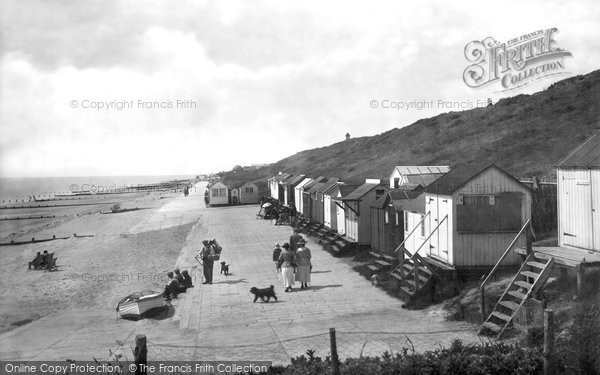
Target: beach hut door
(576, 201)
(596, 208)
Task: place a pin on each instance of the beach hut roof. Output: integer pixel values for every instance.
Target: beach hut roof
(381, 202)
(586, 155)
(320, 187)
(293, 180)
(413, 204)
(360, 191)
(459, 176)
(422, 174)
(312, 183)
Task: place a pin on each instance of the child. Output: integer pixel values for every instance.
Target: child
(276, 253)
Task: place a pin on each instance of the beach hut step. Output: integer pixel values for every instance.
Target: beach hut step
(374, 254)
(511, 305)
(530, 274)
(536, 264)
(517, 294)
(373, 268)
(493, 327)
(383, 263)
(523, 284)
(408, 290)
(501, 316)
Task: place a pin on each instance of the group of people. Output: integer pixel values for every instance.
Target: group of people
(41, 261)
(293, 260)
(179, 282)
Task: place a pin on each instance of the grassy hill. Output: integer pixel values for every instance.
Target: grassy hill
(526, 135)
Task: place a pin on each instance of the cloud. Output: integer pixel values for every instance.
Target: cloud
(266, 79)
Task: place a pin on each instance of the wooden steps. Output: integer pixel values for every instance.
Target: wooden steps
(530, 278)
(413, 274)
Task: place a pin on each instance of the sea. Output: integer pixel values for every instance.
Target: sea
(21, 188)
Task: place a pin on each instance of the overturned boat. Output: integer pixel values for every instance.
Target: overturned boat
(137, 304)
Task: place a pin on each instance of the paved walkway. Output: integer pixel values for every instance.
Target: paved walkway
(220, 321)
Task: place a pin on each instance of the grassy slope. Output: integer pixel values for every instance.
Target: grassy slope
(525, 134)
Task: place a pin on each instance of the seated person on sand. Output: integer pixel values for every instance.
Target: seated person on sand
(187, 279)
(45, 259)
(172, 288)
(37, 262)
(178, 277)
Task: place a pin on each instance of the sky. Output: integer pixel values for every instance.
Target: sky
(108, 87)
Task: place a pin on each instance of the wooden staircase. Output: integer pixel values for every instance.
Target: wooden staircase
(413, 273)
(381, 262)
(532, 276)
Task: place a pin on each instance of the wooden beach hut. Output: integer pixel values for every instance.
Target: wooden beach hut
(248, 193)
(317, 199)
(339, 216)
(578, 207)
(289, 189)
(235, 196)
(356, 207)
(306, 209)
(298, 197)
(387, 219)
(274, 184)
(218, 193)
(471, 215)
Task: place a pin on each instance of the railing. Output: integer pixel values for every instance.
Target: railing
(411, 232)
(526, 228)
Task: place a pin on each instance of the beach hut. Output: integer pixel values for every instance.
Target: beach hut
(578, 207)
(218, 193)
(298, 197)
(387, 219)
(289, 188)
(306, 208)
(416, 175)
(248, 193)
(357, 206)
(467, 217)
(339, 216)
(329, 207)
(235, 196)
(578, 179)
(317, 199)
(274, 185)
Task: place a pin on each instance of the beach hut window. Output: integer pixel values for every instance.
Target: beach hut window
(378, 193)
(498, 213)
(405, 221)
(249, 190)
(387, 217)
(397, 220)
(422, 226)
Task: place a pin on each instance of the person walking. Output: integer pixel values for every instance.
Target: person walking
(294, 238)
(287, 264)
(207, 264)
(276, 254)
(303, 260)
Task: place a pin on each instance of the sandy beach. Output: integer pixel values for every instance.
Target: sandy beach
(94, 272)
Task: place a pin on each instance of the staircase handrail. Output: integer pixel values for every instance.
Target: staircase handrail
(526, 226)
(431, 234)
(411, 232)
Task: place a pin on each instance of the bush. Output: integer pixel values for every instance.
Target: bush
(458, 359)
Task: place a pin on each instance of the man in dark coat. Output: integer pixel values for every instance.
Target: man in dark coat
(294, 238)
(208, 264)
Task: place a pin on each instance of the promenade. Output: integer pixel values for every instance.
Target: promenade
(219, 321)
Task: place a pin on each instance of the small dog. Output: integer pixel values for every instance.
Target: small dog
(265, 294)
(225, 268)
(375, 280)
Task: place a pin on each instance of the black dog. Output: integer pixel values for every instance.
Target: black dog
(265, 293)
(225, 268)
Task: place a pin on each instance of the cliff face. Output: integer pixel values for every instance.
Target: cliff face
(526, 135)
